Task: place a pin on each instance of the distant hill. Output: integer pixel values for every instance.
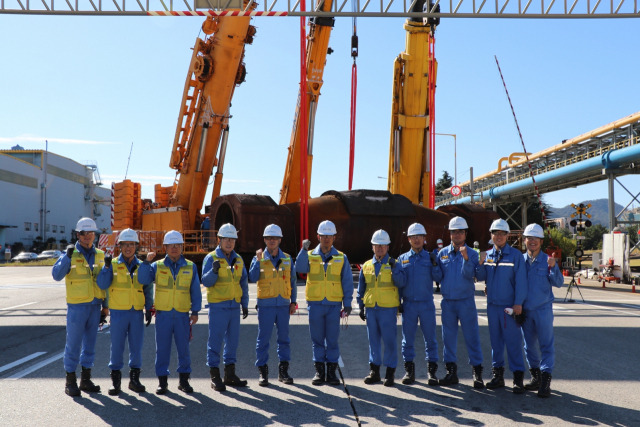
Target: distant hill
(599, 211)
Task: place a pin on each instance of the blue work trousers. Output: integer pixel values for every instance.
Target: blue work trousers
(172, 324)
(465, 312)
(538, 330)
(224, 328)
(381, 328)
(503, 330)
(126, 324)
(267, 317)
(82, 331)
(324, 326)
(414, 311)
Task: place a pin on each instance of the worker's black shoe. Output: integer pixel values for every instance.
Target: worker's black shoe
(318, 378)
(71, 386)
(410, 373)
(477, 377)
(283, 373)
(545, 385)
(432, 368)
(452, 375)
(116, 380)
(264, 375)
(216, 381)
(134, 381)
(332, 379)
(85, 382)
(230, 377)
(374, 374)
(498, 378)
(518, 386)
(389, 377)
(534, 383)
(184, 385)
(163, 385)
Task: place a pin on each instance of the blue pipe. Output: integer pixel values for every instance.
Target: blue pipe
(609, 160)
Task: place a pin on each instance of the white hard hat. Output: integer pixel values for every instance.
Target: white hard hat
(327, 228)
(458, 223)
(228, 231)
(476, 243)
(172, 237)
(128, 235)
(272, 230)
(86, 224)
(416, 229)
(533, 230)
(380, 237)
(499, 224)
(439, 241)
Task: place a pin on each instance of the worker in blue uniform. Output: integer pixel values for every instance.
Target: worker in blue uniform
(458, 263)
(378, 299)
(420, 269)
(505, 275)
(272, 270)
(542, 273)
(225, 277)
(127, 297)
(329, 287)
(436, 250)
(86, 307)
(177, 291)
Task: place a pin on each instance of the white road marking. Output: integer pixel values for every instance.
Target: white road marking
(35, 367)
(21, 361)
(609, 308)
(16, 306)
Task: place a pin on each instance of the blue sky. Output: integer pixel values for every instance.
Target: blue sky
(94, 85)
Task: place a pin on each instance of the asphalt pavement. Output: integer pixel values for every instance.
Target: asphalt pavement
(595, 381)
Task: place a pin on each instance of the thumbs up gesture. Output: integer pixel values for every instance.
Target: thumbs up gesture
(551, 261)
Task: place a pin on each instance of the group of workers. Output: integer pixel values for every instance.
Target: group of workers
(515, 283)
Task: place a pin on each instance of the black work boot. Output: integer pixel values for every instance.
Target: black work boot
(264, 375)
(452, 375)
(432, 368)
(518, 387)
(184, 385)
(332, 378)
(318, 378)
(163, 385)
(410, 373)
(389, 377)
(534, 384)
(545, 385)
(116, 379)
(85, 382)
(230, 377)
(498, 378)
(374, 374)
(134, 381)
(283, 373)
(216, 381)
(71, 387)
(477, 377)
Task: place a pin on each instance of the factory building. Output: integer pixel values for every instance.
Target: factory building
(43, 196)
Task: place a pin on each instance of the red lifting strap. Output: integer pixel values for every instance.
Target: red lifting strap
(352, 128)
(304, 197)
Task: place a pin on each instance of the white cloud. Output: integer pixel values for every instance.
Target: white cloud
(40, 139)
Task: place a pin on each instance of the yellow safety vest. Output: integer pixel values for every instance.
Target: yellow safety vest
(380, 288)
(81, 281)
(321, 284)
(170, 293)
(274, 282)
(124, 291)
(227, 287)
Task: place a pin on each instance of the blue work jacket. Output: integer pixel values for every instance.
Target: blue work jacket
(541, 278)
(458, 274)
(505, 275)
(419, 275)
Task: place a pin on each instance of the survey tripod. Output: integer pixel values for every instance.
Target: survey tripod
(573, 284)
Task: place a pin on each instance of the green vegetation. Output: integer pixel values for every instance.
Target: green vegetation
(27, 264)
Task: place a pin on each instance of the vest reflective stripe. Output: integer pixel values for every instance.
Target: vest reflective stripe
(380, 289)
(227, 287)
(81, 280)
(321, 284)
(173, 294)
(274, 282)
(125, 292)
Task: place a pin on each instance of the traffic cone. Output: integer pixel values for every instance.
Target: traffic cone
(603, 284)
(579, 283)
(633, 289)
